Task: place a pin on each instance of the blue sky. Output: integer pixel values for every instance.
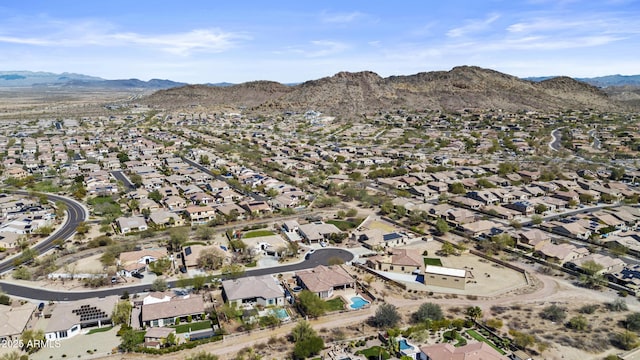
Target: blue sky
(293, 41)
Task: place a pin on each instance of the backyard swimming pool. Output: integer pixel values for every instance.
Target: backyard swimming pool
(357, 302)
(281, 314)
(404, 345)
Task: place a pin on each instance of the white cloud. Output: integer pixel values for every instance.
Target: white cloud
(473, 26)
(87, 33)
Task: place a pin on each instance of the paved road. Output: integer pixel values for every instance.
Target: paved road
(321, 256)
(119, 175)
(76, 213)
(596, 142)
(556, 139)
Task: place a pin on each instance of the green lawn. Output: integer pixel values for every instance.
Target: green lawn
(476, 335)
(183, 328)
(345, 225)
(99, 330)
(373, 353)
(46, 186)
(432, 261)
(336, 304)
(460, 341)
(101, 200)
(257, 233)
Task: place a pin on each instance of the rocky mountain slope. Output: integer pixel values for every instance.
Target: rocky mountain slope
(352, 94)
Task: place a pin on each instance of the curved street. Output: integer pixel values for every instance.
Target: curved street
(556, 138)
(76, 213)
(319, 257)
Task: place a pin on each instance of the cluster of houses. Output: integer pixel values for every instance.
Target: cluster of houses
(21, 216)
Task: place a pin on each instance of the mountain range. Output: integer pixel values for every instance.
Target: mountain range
(355, 94)
(22, 79)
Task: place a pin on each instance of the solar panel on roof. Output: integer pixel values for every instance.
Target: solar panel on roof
(187, 251)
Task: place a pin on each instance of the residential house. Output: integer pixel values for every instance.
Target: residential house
(200, 214)
(472, 351)
(379, 239)
(14, 320)
(481, 228)
(256, 207)
(607, 263)
(131, 262)
(573, 229)
(401, 261)
(131, 224)
(561, 253)
(174, 202)
(155, 337)
(67, 319)
(165, 218)
(484, 196)
(523, 207)
(165, 313)
(262, 290)
(323, 280)
(533, 239)
(317, 231)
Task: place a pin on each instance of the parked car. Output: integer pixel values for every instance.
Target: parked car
(137, 275)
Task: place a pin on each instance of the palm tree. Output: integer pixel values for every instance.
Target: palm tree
(474, 312)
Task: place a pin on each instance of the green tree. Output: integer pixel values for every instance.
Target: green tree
(311, 303)
(632, 322)
(536, 219)
(22, 273)
(625, 340)
(129, 341)
(210, 259)
(591, 267)
(83, 228)
(177, 238)
(155, 196)
(448, 249)
(232, 271)
(494, 323)
(301, 331)
(122, 313)
(522, 340)
(457, 188)
(554, 313)
(540, 208)
(198, 282)
(427, 311)
(474, 312)
(308, 347)
(442, 227)
(617, 305)
(159, 284)
(578, 323)
(205, 232)
(160, 266)
(32, 340)
(386, 316)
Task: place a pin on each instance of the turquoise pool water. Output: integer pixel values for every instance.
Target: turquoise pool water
(404, 345)
(357, 302)
(281, 314)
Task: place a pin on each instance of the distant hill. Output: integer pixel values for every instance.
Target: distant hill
(601, 81)
(30, 78)
(22, 79)
(354, 94)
